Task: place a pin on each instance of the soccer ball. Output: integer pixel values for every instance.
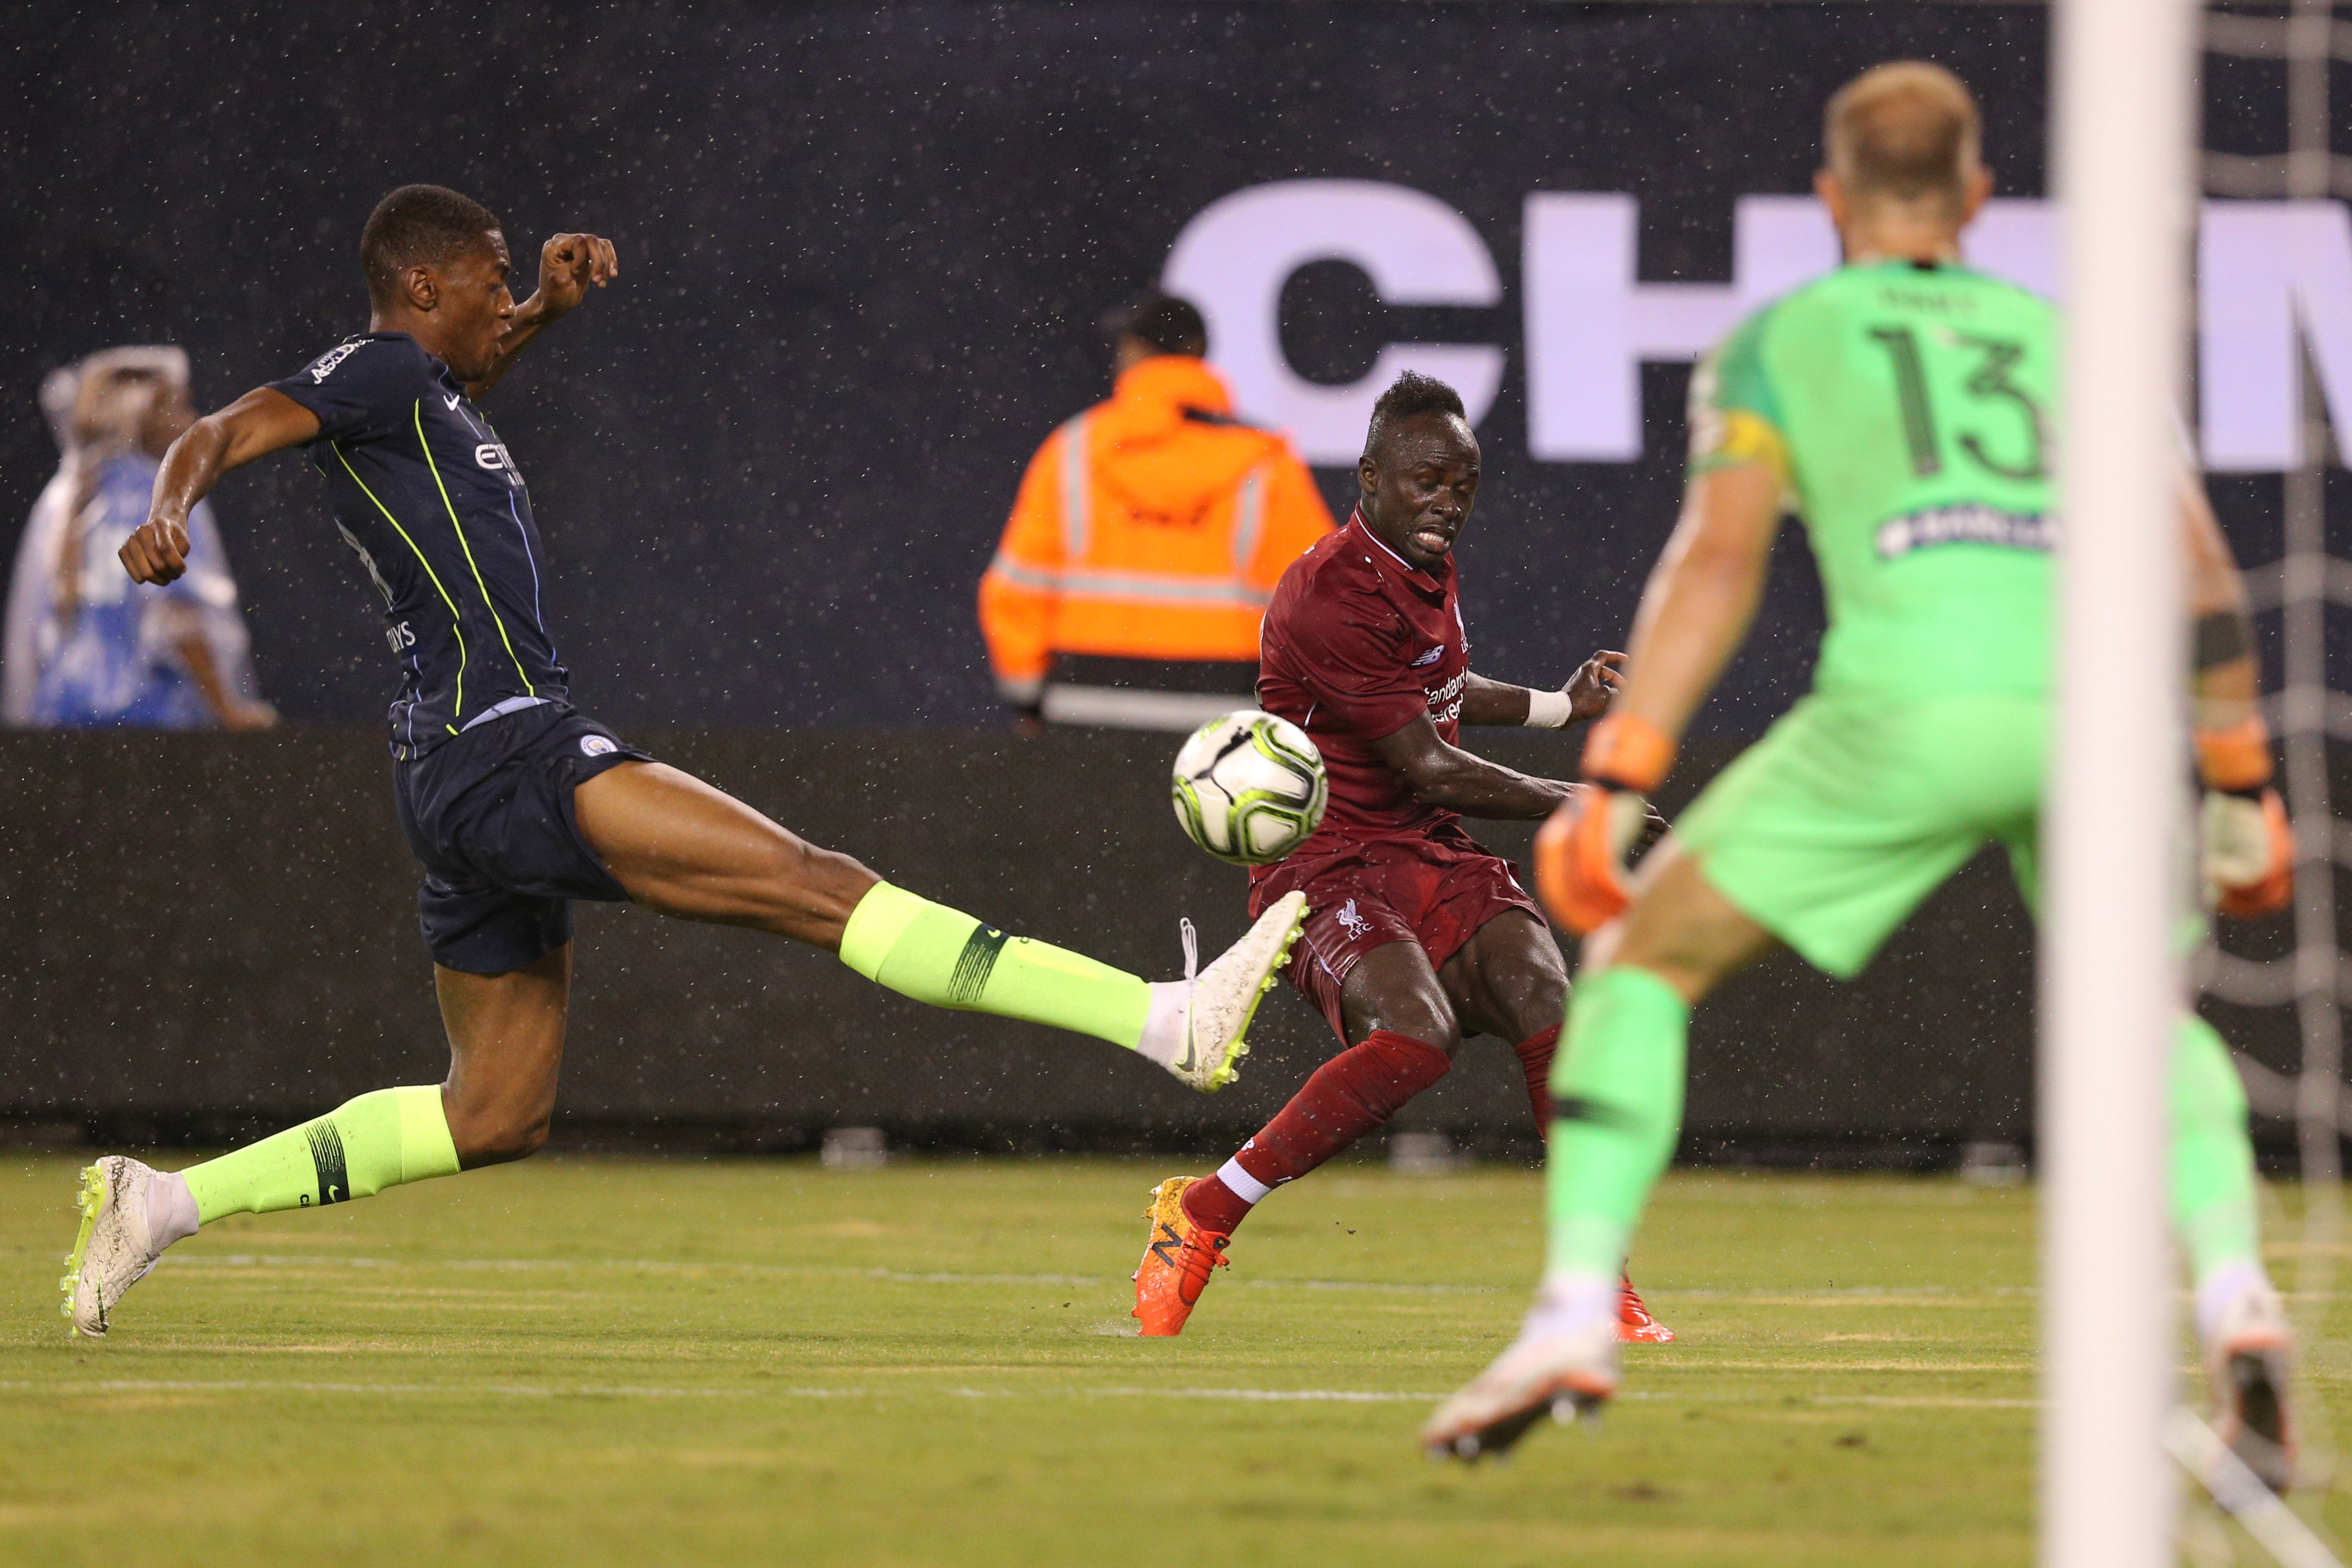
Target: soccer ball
(1250, 787)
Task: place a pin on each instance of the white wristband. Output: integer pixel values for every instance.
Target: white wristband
(1549, 710)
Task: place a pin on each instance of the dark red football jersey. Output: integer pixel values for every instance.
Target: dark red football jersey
(1357, 642)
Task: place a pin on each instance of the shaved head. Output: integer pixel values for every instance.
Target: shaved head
(419, 226)
(1905, 135)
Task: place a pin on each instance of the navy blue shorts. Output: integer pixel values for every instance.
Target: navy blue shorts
(489, 813)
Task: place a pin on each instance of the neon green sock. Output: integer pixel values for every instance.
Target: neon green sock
(2213, 1183)
(355, 1150)
(935, 955)
(1618, 1089)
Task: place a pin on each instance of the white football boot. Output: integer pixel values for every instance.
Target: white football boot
(115, 1250)
(1565, 1374)
(1197, 1026)
(2249, 1360)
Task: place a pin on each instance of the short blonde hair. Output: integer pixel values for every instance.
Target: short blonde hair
(1906, 132)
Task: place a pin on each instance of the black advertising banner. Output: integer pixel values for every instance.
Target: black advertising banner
(866, 249)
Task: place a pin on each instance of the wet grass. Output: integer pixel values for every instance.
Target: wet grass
(595, 1361)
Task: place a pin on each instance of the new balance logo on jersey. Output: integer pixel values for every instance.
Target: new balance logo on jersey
(324, 366)
(1431, 657)
(1969, 523)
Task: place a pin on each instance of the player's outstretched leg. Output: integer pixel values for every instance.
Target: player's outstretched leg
(2242, 1326)
(130, 1213)
(1348, 1096)
(1617, 1097)
(1405, 1037)
(685, 848)
(1498, 992)
(506, 1044)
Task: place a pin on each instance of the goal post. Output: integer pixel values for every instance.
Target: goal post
(2122, 120)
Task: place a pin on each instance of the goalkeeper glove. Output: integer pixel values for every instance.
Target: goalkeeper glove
(1580, 852)
(2248, 848)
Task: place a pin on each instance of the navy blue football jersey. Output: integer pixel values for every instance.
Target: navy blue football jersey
(426, 492)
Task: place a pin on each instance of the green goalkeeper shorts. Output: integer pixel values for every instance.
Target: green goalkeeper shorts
(1834, 827)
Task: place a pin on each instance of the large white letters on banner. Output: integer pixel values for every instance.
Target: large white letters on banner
(1235, 254)
(2017, 238)
(2274, 278)
(2265, 268)
(1590, 324)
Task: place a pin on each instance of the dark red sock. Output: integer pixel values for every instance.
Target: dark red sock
(1348, 1096)
(1535, 1060)
(1213, 1206)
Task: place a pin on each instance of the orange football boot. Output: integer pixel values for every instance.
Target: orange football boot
(1635, 1324)
(1178, 1258)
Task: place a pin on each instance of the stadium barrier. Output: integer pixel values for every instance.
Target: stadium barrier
(210, 935)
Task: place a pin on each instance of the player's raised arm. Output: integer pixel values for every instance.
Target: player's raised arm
(567, 265)
(255, 425)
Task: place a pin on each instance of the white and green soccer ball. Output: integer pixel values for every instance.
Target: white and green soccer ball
(1250, 787)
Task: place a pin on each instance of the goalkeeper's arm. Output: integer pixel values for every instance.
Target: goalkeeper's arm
(2249, 854)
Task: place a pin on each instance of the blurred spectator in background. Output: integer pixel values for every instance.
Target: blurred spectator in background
(1147, 537)
(86, 647)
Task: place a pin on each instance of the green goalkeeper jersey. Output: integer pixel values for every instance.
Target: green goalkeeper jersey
(1906, 409)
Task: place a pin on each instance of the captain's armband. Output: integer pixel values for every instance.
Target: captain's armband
(1727, 437)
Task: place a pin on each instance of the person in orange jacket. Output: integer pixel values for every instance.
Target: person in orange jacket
(1145, 542)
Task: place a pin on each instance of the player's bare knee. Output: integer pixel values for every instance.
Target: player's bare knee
(1415, 1020)
(1529, 1009)
(838, 882)
(496, 1138)
(812, 892)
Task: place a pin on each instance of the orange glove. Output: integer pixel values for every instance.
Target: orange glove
(2249, 847)
(2249, 854)
(1581, 852)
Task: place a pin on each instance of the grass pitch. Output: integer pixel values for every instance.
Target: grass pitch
(593, 1361)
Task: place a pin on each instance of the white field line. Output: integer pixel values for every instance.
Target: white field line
(466, 1390)
(429, 1390)
(661, 1265)
(627, 1391)
(1853, 1295)
(2235, 1487)
(1927, 1402)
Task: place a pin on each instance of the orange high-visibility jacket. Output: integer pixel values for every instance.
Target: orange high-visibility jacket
(1152, 526)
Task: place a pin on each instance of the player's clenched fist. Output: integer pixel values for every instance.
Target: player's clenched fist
(1595, 685)
(568, 263)
(1581, 851)
(156, 552)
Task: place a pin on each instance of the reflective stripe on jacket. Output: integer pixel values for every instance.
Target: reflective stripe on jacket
(1151, 526)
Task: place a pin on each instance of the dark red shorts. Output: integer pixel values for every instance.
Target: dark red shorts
(1435, 888)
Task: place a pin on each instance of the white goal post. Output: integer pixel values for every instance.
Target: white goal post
(2124, 119)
